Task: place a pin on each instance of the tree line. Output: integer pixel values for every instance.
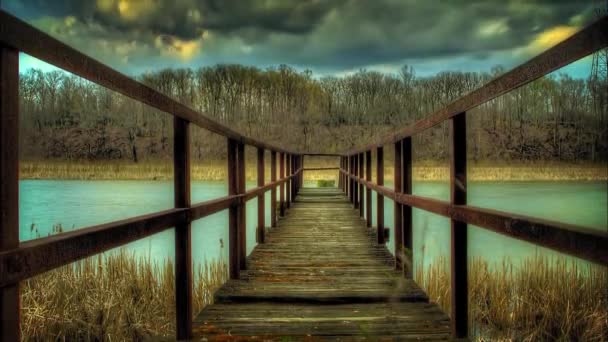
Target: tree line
(556, 118)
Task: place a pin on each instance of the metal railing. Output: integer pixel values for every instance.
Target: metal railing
(22, 260)
(582, 242)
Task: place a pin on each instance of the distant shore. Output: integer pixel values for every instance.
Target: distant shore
(217, 171)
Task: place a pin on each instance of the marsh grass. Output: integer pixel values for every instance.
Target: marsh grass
(112, 297)
(217, 171)
(539, 299)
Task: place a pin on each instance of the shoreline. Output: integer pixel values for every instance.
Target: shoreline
(217, 171)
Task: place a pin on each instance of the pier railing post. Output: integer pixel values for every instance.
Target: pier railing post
(406, 186)
(340, 175)
(361, 187)
(9, 186)
(282, 186)
(380, 197)
(351, 181)
(242, 208)
(183, 232)
(273, 191)
(261, 200)
(398, 211)
(289, 182)
(458, 247)
(355, 183)
(368, 191)
(233, 217)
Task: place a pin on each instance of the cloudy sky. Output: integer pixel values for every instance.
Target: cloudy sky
(326, 36)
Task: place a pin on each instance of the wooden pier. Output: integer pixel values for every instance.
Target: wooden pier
(321, 270)
(321, 273)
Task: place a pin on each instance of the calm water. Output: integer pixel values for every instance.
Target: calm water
(77, 204)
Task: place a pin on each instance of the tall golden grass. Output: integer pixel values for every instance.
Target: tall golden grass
(112, 297)
(539, 299)
(217, 170)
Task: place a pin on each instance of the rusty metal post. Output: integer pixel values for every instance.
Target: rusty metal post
(183, 232)
(380, 197)
(406, 184)
(458, 248)
(9, 186)
(233, 217)
(261, 200)
(282, 187)
(273, 191)
(242, 208)
(368, 191)
(398, 211)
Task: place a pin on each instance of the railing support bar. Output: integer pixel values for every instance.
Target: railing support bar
(9, 185)
(398, 211)
(233, 218)
(368, 191)
(183, 232)
(406, 184)
(242, 211)
(380, 198)
(273, 192)
(261, 201)
(361, 187)
(458, 246)
(282, 186)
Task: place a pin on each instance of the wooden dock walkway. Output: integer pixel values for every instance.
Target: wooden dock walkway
(321, 274)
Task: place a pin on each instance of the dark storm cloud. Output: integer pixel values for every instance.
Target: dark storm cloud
(318, 34)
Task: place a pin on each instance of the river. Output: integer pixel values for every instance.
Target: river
(77, 204)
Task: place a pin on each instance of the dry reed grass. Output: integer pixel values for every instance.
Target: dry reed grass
(112, 297)
(217, 171)
(541, 299)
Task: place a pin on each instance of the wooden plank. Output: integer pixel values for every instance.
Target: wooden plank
(583, 43)
(242, 211)
(317, 154)
(282, 188)
(40, 255)
(377, 321)
(458, 245)
(398, 208)
(273, 192)
(380, 197)
(183, 231)
(9, 186)
(406, 184)
(320, 268)
(261, 201)
(204, 209)
(320, 168)
(368, 194)
(24, 37)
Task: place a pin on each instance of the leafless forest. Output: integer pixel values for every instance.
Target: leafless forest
(556, 118)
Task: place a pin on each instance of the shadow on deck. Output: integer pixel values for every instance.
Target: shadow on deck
(321, 274)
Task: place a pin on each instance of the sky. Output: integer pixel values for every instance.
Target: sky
(328, 37)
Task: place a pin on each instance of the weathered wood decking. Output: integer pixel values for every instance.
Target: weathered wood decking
(321, 274)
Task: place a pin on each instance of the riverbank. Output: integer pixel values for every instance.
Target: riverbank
(111, 297)
(539, 299)
(217, 171)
